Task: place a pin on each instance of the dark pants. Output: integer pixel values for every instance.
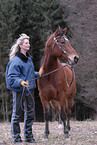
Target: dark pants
(28, 116)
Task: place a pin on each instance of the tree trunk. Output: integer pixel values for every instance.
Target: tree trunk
(6, 110)
(3, 109)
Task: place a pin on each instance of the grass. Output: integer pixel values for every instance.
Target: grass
(82, 133)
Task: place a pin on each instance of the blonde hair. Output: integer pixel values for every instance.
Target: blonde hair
(15, 47)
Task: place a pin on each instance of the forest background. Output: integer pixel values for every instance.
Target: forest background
(39, 19)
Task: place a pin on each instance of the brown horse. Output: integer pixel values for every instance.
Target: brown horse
(59, 87)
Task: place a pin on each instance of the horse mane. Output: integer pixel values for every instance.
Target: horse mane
(47, 60)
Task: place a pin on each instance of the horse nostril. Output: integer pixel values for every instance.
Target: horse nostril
(76, 59)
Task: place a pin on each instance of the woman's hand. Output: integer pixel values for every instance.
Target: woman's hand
(24, 84)
(41, 71)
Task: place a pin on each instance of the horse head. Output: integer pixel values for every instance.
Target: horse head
(62, 48)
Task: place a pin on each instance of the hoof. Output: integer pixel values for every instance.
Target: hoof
(60, 126)
(66, 136)
(67, 139)
(45, 139)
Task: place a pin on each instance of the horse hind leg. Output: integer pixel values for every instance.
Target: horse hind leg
(55, 104)
(60, 122)
(60, 125)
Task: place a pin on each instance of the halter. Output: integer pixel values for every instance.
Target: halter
(56, 42)
(55, 39)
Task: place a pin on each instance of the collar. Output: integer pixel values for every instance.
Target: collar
(22, 56)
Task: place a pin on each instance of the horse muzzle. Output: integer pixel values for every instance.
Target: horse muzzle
(76, 58)
(73, 59)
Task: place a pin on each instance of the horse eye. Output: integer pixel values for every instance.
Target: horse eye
(62, 42)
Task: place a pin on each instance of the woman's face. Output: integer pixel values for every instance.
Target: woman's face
(26, 45)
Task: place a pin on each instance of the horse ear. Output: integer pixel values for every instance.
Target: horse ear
(57, 32)
(64, 30)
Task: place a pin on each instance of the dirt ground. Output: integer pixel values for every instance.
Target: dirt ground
(82, 133)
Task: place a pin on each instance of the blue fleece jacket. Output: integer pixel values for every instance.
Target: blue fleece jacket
(20, 68)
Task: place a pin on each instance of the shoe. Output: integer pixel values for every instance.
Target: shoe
(30, 140)
(17, 141)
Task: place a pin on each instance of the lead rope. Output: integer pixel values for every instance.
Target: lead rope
(55, 71)
(48, 73)
(25, 98)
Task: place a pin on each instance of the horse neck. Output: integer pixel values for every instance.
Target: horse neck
(50, 62)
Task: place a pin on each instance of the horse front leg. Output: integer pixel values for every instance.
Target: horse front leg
(68, 123)
(47, 117)
(46, 133)
(70, 105)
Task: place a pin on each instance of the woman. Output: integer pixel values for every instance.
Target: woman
(19, 71)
